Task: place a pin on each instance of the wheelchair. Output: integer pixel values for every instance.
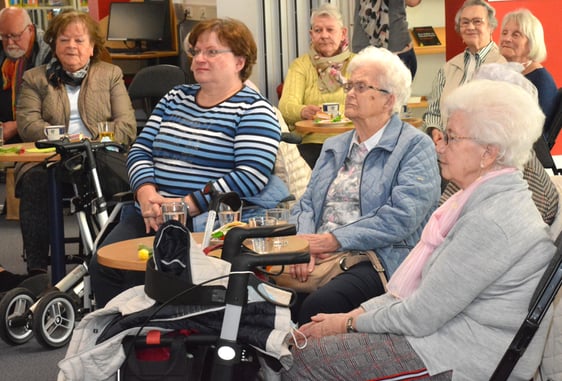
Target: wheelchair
(51, 315)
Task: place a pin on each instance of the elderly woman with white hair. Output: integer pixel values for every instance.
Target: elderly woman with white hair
(522, 41)
(373, 188)
(457, 300)
(545, 195)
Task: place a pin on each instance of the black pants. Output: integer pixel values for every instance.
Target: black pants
(107, 282)
(342, 294)
(410, 60)
(310, 153)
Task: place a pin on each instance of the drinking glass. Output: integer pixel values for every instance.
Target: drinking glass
(260, 244)
(227, 215)
(105, 133)
(174, 210)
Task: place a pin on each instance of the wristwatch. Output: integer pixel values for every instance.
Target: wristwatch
(349, 325)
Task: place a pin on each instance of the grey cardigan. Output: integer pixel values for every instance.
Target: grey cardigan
(476, 287)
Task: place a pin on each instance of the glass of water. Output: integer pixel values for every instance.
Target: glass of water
(174, 210)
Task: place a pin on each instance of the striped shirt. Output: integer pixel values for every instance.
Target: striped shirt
(184, 145)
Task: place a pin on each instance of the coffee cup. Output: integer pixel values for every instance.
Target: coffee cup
(55, 132)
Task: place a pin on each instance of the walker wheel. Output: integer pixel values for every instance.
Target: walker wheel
(15, 327)
(53, 319)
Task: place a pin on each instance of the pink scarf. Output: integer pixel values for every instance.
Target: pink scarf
(407, 277)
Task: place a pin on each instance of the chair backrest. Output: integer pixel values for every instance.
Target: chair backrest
(150, 84)
(540, 302)
(554, 124)
(543, 154)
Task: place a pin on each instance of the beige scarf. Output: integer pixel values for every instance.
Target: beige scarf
(329, 69)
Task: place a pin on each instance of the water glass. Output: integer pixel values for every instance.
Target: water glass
(175, 210)
(227, 215)
(280, 214)
(260, 244)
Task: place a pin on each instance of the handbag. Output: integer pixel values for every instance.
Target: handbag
(326, 269)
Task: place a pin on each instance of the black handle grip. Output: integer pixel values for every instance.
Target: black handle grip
(237, 235)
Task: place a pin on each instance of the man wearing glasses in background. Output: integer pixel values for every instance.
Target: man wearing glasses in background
(22, 48)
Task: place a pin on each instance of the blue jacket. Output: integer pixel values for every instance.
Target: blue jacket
(400, 188)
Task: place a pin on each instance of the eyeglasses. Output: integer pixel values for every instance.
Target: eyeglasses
(14, 36)
(361, 87)
(477, 21)
(448, 138)
(209, 53)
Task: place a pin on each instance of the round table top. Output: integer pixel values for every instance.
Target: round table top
(309, 126)
(29, 154)
(124, 255)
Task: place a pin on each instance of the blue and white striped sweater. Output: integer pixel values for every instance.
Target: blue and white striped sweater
(183, 145)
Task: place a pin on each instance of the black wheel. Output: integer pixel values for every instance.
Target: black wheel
(53, 319)
(15, 328)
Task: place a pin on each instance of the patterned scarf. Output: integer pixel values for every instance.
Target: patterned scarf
(57, 76)
(407, 277)
(329, 69)
(373, 15)
(12, 72)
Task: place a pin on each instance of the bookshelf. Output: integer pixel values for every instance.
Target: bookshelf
(436, 49)
(42, 11)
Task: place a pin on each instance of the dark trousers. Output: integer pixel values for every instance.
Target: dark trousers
(410, 60)
(342, 294)
(108, 282)
(310, 153)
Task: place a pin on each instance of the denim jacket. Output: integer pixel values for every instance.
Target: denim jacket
(399, 188)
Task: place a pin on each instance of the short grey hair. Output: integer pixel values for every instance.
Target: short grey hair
(532, 28)
(501, 114)
(492, 20)
(327, 10)
(389, 71)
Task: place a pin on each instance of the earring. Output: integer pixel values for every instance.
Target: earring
(481, 165)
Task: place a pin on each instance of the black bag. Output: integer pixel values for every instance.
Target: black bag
(170, 360)
(112, 172)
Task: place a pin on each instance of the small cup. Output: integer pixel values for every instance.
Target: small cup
(174, 210)
(104, 132)
(260, 244)
(55, 132)
(280, 214)
(227, 215)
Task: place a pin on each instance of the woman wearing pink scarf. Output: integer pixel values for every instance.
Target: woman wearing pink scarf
(456, 302)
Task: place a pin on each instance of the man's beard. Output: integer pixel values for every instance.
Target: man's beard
(14, 52)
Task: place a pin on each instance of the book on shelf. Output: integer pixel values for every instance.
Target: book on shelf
(425, 36)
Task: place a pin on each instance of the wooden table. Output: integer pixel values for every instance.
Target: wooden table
(12, 203)
(124, 255)
(308, 126)
(26, 156)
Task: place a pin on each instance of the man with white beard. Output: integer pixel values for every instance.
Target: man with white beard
(22, 48)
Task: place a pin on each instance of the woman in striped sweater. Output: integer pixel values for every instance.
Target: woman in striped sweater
(217, 130)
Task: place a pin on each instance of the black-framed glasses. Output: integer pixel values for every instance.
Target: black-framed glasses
(208, 53)
(14, 36)
(361, 87)
(449, 138)
(476, 21)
